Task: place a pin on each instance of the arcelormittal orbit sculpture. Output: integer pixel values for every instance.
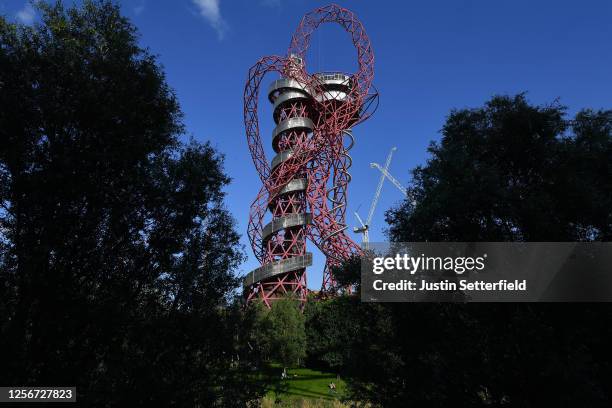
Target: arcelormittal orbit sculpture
(305, 184)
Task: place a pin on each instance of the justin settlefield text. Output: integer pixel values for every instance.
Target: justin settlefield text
(446, 285)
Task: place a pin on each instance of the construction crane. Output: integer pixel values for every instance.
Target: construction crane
(385, 173)
(365, 226)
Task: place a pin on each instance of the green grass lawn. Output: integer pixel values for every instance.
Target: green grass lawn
(303, 383)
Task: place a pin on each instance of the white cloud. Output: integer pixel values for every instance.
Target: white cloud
(26, 14)
(209, 9)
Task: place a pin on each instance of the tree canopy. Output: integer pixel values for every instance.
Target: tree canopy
(279, 332)
(117, 255)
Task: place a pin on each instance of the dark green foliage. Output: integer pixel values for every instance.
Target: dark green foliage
(117, 253)
(279, 334)
(330, 325)
(511, 171)
(348, 275)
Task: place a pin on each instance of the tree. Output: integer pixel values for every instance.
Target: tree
(279, 332)
(340, 332)
(348, 274)
(116, 251)
(508, 171)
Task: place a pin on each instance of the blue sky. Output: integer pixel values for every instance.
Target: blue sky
(431, 57)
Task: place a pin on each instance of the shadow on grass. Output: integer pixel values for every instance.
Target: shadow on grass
(304, 392)
(307, 377)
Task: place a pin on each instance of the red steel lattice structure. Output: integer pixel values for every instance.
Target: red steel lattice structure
(305, 184)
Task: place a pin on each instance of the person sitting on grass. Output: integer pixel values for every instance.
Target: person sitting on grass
(332, 387)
